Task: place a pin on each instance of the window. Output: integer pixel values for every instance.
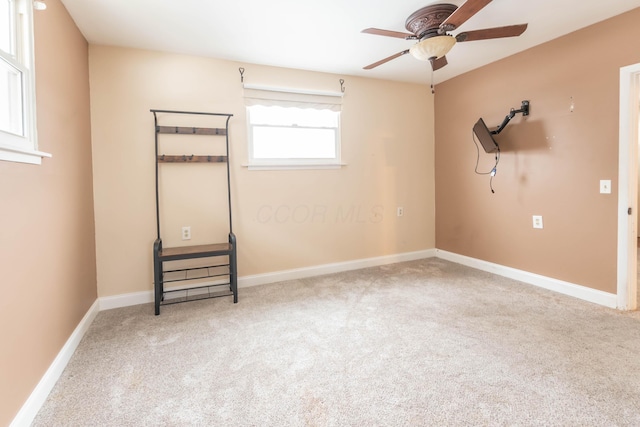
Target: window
(293, 136)
(17, 86)
(293, 130)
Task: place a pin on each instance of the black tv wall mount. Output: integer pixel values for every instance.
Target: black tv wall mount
(524, 109)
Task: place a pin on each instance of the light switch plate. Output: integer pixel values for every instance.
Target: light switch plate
(605, 186)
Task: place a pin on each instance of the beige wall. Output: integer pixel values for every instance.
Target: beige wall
(47, 247)
(551, 162)
(282, 219)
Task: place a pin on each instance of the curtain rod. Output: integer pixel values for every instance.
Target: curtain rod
(292, 90)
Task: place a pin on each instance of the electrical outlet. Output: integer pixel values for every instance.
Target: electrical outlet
(400, 211)
(186, 233)
(537, 221)
(605, 186)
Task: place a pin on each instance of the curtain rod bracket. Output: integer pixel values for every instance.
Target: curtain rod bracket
(241, 74)
(342, 88)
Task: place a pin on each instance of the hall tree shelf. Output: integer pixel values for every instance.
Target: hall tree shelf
(221, 277)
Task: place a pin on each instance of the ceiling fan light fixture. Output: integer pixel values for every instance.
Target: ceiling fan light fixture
(432, 47)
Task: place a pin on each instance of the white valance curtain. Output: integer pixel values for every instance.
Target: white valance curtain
(284, 97)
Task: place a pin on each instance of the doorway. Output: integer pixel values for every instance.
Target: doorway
(628, 177)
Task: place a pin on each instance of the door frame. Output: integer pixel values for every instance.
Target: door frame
(627, 286)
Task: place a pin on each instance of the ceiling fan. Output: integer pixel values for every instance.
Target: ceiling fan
(430, 26)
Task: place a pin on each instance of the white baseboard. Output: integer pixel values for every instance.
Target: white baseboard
(125, 300)
(337, 267)
(578, 291)
(135, 298)
(39, 395)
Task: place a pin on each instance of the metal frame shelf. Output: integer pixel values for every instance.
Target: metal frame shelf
(227, 249)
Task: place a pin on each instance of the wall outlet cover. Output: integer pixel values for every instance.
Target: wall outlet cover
(537, 221)
(186, 233)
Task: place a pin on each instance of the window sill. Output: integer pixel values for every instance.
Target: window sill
(21, 155)
(285, 166)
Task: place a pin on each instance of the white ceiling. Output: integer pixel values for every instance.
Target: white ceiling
(324, 35)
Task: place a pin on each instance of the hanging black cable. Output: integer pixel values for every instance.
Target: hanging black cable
(493, 171)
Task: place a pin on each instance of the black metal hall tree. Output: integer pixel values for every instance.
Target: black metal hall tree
(225, 274)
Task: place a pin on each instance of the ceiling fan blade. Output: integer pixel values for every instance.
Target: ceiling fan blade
(382, 61)
(389, 33)
(438, 63)
(461, 14)
(492, 33)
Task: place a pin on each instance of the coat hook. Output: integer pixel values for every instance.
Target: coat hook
(342, 88)
(241, 74)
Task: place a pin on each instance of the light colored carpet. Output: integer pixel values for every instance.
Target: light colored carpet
(426, 342)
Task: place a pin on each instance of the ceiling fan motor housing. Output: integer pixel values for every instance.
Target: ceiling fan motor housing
(425, 23)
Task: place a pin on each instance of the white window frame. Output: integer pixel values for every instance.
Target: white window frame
(284, 97)
(14, 147)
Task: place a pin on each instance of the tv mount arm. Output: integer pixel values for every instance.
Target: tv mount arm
(524, 109)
